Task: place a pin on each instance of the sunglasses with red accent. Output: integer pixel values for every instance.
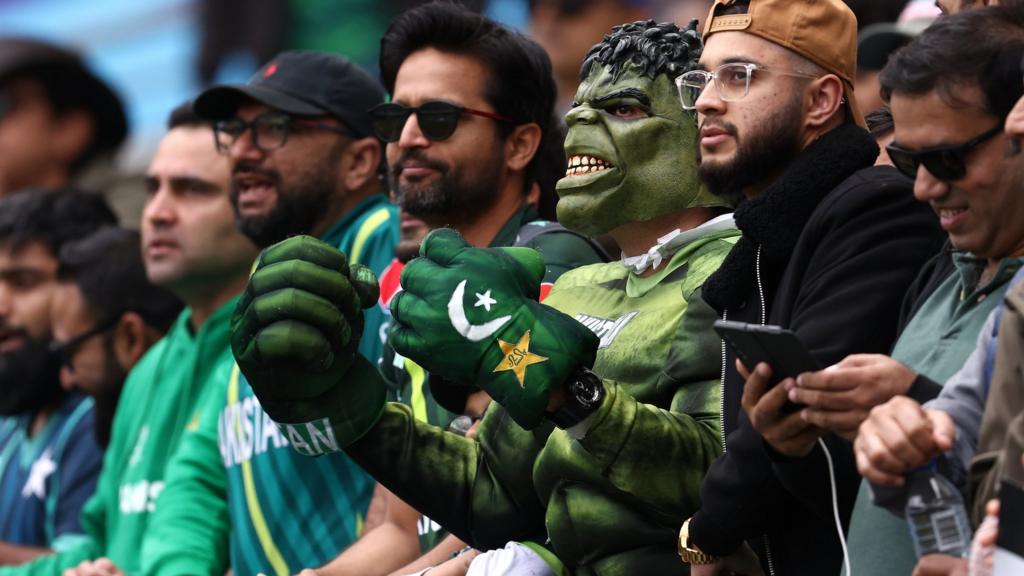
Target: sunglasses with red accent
(437, 120)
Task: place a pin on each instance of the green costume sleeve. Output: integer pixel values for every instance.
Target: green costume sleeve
(687, 434)
(188, 532)
(480, 490)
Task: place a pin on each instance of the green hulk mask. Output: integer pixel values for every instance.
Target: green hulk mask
(630, 145)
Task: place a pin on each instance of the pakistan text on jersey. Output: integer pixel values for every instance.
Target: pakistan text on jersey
(606, 330)
(244, 431)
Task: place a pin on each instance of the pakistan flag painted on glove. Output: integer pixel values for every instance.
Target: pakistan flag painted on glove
(295, 335)
(471, 315)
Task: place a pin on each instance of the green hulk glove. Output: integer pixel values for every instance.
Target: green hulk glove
(295, 335)
(471, 315)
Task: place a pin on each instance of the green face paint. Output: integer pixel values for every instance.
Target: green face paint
(636, 127)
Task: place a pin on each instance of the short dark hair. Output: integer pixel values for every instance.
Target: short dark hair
(982, 47)
(879, 121)
(520, 85)
(52, 217)
(184, 115)
(68, 88)
(870, 12)
(657, 48)
(107, 267)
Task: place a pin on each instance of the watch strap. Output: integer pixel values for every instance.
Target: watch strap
(584, 395)
(688, 553)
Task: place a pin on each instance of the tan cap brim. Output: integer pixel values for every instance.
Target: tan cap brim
(851, 105)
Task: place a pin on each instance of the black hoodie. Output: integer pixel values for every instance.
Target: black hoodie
(828, 251)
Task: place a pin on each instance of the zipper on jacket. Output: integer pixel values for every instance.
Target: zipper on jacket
(721, 398)
(721, 402)
(760, 287)
(764, 313)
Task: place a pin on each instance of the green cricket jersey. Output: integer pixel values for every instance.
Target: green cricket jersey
(162, 399)
(287, 511)
(611, 503)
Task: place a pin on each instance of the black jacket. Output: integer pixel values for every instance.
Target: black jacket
(830, 248)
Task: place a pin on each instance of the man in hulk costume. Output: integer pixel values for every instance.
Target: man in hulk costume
(607, 396)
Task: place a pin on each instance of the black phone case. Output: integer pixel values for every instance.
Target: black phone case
(778, 347)
(1011, 517)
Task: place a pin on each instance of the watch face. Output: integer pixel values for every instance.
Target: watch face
(588, 390)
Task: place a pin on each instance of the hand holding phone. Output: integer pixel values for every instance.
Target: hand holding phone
(779, 348)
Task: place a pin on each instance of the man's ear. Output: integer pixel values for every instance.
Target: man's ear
(71, 134)
(130, 341)
(824, 98)
(360, 163)
(521, 146)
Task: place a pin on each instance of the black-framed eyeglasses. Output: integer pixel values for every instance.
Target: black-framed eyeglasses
(461, 424)
(269, 131)
(947, 163)
(64, 351)
(437, 120)
(732, 81)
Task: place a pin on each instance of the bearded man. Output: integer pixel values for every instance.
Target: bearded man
(49, 456)
(615, 373)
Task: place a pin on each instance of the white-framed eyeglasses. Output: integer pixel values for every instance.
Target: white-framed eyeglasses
(732, 81)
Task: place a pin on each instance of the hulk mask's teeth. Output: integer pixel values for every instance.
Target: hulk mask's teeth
(578, 165)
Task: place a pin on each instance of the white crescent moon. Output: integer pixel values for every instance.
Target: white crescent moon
(457, 316)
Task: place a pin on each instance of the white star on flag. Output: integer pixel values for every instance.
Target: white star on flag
(484, 300)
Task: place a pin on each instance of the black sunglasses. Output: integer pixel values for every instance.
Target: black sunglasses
(947, 163)
(64, 351)
(437, 120)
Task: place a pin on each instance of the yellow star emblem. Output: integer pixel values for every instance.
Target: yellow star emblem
(517, 357)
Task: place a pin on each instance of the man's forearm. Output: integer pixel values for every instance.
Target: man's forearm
(436, 555)
(15, 554)
(439, 473)
(380, 551)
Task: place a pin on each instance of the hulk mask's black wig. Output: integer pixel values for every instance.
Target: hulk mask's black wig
(656, 48)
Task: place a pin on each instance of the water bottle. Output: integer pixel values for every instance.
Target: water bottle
(936, 515)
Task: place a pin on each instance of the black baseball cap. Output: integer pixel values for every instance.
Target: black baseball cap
(60, 69)
(302, 83)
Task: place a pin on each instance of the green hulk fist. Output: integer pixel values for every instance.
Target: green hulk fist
(471, 315)
(295, 335)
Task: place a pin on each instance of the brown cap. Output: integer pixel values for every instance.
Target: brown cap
(823, 31)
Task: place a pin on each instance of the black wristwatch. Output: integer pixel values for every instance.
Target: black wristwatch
(584, 395)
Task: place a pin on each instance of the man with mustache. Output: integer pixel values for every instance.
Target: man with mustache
(485, 178)
(303, 160)
(190, 247)
(49, 455)
(830, 245)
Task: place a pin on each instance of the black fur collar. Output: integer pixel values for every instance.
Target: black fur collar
(775, 218)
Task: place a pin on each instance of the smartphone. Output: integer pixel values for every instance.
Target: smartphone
(776, 346)
(1009, 556)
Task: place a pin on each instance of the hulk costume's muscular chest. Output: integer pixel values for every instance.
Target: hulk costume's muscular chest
(657, 347)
